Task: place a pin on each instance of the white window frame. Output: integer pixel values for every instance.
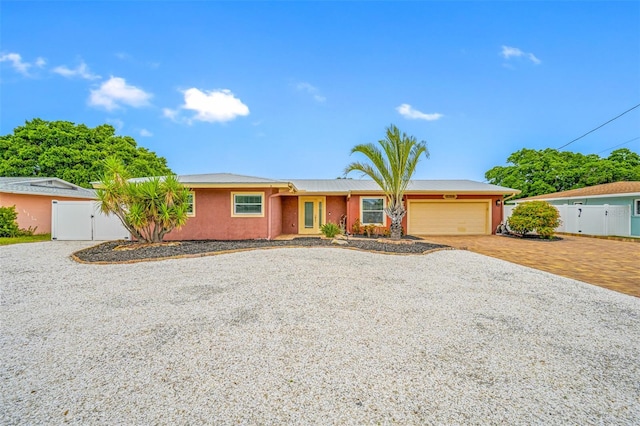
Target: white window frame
(192, 213)
(384, 205)
(636, 207)
(252, 194)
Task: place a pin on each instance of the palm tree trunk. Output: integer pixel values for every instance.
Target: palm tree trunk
(396, 213)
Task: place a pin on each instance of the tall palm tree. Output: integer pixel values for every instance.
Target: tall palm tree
(391, 167)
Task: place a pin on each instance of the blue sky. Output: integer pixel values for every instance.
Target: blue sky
(286, 89)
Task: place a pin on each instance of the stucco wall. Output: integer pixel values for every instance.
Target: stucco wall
(276, 216)
(289, 215)
(213, 218)
(33, 210)
(336, 207)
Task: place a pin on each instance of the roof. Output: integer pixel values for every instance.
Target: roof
(221, 180)
(597, 191)
(335, 186)
(44, 186)
(415, 186)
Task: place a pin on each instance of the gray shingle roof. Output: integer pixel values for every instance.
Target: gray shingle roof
(44, 186)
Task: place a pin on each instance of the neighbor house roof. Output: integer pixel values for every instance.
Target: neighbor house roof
(596, 191)
(44, 186)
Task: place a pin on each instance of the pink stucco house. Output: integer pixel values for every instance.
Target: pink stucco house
(32, 197)
(234, 207)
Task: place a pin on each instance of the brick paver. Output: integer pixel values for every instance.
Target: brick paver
(606, 263)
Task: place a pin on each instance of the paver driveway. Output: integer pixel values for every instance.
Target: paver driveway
(606, 263)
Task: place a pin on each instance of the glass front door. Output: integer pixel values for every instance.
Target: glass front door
(312, 214)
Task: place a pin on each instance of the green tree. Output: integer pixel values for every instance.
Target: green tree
(537, 172)
(149, 208)
(72, 152)
(391, 166)
(538, 216)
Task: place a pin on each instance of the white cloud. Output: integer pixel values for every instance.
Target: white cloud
(212, 106)
(115, 92)
(116, 122)
(41, 62)
(312, 90)
(16, 62)
(145, 133)
(533, 58)
(170, 113)
(407, 111)
(81, 71)
(514, 52)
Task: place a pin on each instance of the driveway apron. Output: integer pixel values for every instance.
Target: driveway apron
(610, 264)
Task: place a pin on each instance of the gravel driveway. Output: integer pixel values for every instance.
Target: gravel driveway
(313, 335)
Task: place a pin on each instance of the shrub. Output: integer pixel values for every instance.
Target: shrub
(538, 216)
(357, 227)
(8, 222)
(330, 230)
(369, 230)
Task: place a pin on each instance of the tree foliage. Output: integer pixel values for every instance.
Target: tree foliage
(538, 216)
(391, 165)
(149, 208)
(72, 152)
(537, 172)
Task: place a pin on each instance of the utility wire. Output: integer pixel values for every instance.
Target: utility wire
(602, 125)
(620, 144)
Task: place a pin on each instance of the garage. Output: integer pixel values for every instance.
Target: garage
(459, 217)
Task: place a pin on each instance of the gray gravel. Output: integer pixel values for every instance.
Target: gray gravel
(308, 336)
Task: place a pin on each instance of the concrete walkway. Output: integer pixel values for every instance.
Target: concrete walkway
(606, 263)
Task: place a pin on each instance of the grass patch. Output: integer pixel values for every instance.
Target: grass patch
(5, 241)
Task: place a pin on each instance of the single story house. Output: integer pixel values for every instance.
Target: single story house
(232, 207)
(32, 198)
(626, 194)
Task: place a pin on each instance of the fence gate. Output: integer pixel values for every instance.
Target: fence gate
(591, 220)
(83, 221)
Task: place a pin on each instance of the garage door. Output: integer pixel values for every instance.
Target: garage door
(448, 218)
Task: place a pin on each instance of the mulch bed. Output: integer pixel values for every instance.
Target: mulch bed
(127, 251)
(531, 237)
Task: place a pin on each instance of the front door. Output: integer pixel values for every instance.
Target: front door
(311, 214)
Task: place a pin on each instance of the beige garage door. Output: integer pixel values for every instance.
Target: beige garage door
(448, 217)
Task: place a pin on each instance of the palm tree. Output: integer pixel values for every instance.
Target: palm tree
(150, 208)
(391, 167)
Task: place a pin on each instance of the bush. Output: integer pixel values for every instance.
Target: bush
(8, 222)
(330, 230)
(538, 216)
(357, 227)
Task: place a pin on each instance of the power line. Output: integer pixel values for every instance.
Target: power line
(620, 144)
(602, 125)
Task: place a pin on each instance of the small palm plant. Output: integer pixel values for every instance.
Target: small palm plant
(149, 209)
(391, 166)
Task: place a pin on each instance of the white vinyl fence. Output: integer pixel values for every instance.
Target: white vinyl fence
(83, 221)
(591, 220)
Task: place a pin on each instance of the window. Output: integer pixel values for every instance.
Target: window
(636, 207)
(191, 204)
(247, 204)
(372, 211)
